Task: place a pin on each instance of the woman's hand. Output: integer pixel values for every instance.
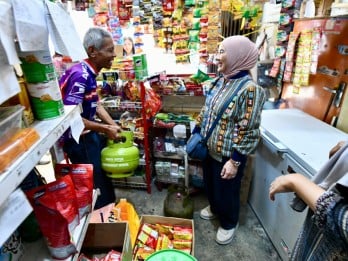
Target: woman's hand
(281, 184)
(304, 188)
(229, 171)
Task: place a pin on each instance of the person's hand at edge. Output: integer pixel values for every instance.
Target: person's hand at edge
(336, 148)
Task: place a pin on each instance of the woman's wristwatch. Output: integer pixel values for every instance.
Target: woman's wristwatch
(235, 163)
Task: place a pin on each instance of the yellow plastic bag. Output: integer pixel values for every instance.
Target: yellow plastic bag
(124, 211)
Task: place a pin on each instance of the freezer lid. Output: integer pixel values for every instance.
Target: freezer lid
(306, 139)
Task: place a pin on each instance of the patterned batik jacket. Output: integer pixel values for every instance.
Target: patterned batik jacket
(238, 129)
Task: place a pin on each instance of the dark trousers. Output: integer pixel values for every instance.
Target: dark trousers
(223, 194)
(88, 151)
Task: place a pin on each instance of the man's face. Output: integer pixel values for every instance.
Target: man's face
(105, 55)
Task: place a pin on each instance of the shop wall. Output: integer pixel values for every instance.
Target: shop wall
(157, 59)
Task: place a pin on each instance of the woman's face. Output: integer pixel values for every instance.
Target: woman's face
(128, 47)
(221, 59)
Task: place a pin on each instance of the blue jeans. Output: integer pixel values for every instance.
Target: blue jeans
(223, 194)
(88, 151)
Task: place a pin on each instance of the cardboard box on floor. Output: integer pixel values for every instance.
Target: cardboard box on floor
(101, 238)
(153, 219)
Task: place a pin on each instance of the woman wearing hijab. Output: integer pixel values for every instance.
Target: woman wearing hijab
(324, 234)
(235, 135)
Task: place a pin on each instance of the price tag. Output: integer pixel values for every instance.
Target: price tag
(12, 213)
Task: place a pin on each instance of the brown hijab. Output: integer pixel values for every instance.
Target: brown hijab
(242, 54)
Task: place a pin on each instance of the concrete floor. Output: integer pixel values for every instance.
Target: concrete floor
(250, 242)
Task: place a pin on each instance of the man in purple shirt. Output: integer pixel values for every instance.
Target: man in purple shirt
(79, 86)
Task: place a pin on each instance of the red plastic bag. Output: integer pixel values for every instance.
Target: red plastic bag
(153, 102)
(55, 208)
(82, 177)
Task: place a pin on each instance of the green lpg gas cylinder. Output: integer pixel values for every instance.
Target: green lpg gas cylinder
(178, 203)
(120, 158)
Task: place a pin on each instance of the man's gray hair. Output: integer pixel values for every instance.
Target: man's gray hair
(95, 37)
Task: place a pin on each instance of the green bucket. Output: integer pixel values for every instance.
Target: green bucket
(170, 255)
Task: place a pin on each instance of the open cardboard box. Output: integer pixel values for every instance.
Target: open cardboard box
(101, 238)
(153, 219)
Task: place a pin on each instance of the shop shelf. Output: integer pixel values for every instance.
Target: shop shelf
(49, 131)
(136, 182)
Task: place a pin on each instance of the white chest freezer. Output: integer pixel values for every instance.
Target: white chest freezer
(292, 141)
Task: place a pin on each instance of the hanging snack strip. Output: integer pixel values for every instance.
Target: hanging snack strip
(181, 23)
(138, 35)
(303, 60)
(289, 57)
(198, 34)
(115, 29)
(157, 14)
(213, 27)
(165, 31)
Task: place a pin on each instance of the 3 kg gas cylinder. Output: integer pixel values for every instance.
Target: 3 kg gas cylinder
(120, 158)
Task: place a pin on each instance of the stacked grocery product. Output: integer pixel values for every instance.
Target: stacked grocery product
(42, 84)
(160, 233)
(14, 140)
(138, 35)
